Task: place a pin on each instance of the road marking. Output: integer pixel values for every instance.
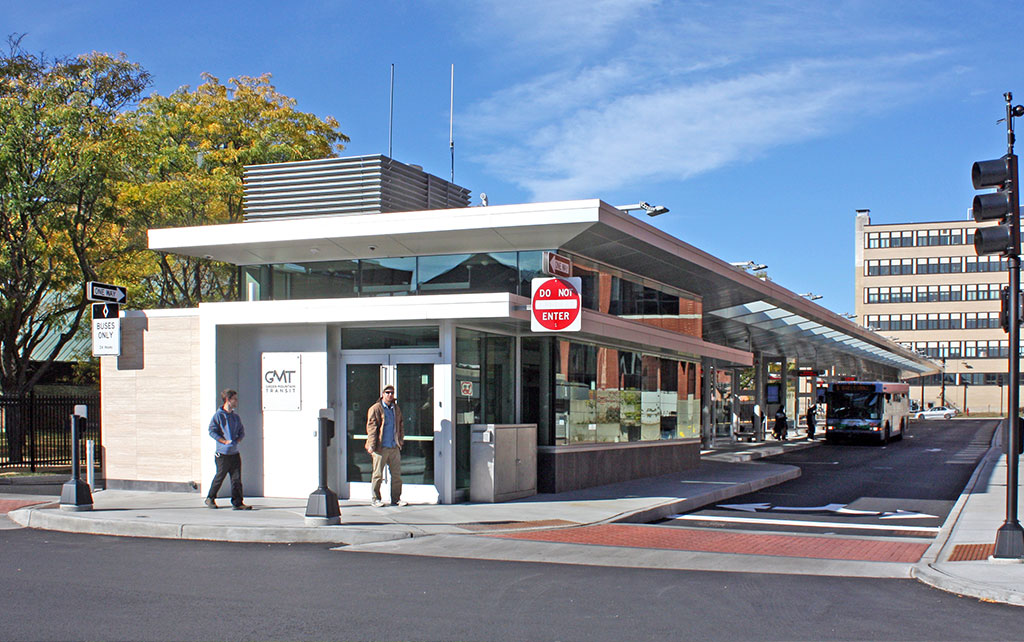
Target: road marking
(838, 509)
(928, 530)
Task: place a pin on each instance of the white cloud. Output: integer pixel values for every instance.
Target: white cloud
(697, 92)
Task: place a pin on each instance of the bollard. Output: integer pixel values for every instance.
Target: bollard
(75, 494)
(90, 463)
(322, 508)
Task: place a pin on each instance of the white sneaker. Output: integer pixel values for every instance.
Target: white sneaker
(376, 503)
(401, 502)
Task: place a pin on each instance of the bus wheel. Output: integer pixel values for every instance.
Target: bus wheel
(903, 429)
(885, 435)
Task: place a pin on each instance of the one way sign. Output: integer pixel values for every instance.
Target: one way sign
(105, 292)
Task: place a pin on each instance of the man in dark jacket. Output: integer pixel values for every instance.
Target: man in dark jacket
(227, 429)
(384, 438)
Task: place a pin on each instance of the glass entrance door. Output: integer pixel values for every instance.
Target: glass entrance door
(414, 393)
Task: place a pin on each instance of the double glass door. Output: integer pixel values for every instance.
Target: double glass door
(365, 377)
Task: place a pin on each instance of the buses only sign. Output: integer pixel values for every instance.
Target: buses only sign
(556, 304)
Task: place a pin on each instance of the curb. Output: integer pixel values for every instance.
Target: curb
(676, 506)
(34, 517)
(925, 571)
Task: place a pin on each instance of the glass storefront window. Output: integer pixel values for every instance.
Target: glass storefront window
(604, 395)
(485, 389)
(388, 338)
(459, 273)
(387, 277)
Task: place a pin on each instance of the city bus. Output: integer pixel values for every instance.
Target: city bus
(871, 409)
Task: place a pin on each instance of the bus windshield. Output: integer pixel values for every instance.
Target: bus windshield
(854, 405)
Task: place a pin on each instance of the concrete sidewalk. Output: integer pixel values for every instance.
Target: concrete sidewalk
(725, 472)
(959, 561)
(183, 515)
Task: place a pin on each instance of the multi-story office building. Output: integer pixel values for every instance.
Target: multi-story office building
(923, 285)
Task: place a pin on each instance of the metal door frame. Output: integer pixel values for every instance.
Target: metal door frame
(388, 360)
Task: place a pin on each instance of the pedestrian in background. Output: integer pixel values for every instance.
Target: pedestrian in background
(384, 438)
(812, 412)
(227, 429)
(781, 424)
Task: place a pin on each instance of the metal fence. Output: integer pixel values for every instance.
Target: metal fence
(35, 430)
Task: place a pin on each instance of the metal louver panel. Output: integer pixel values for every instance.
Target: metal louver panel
(352, 185)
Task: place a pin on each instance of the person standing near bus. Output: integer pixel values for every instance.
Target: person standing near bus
(812, 412)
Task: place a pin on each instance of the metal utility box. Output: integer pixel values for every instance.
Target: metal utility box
(503, 462)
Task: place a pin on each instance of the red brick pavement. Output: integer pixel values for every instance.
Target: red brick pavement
(7, 505)
(687, 539)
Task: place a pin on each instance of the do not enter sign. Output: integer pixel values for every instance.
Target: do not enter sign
(556, 304)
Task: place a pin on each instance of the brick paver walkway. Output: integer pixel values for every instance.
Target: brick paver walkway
(689, 539)
(7, 505)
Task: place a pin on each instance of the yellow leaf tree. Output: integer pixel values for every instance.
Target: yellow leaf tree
(193, 146)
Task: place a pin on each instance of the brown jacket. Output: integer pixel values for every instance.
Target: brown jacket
(375, 424)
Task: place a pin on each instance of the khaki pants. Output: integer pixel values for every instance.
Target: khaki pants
(392, 458)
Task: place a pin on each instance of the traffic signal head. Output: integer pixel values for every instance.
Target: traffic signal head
(1001, 205)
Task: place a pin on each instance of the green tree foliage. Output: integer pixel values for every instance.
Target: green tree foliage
(193, 147)
(63, 147)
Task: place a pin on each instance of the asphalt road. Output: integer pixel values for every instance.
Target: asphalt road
(903, 489)
(60, 586)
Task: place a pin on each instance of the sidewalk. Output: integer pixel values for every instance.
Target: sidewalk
(728, 470)
(724, 472)
(960, 559)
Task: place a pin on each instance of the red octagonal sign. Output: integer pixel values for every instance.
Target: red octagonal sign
(556, 304)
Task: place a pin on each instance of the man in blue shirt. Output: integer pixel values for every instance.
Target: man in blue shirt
(385, 435)
(227, 429)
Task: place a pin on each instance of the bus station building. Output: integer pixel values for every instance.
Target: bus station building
(359, 272)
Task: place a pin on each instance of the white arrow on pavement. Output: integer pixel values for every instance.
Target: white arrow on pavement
(905, 514)
(838, 509)
(749, 508)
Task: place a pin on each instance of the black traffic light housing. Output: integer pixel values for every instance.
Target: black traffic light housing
(1001, 204)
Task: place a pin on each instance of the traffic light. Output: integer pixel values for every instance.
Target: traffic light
(1001, 204)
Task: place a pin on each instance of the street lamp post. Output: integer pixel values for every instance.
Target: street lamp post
(942, 393)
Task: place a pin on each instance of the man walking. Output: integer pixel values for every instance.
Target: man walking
(384, 438)
(227, 429)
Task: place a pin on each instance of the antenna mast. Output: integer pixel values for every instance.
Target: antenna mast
(391, 110)
(451, 125)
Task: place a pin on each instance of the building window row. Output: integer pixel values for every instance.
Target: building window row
(933, 321)
(923, 238)
(963, 379)
(933, 293)
(962, 349)
(935, 265)
(894, 294)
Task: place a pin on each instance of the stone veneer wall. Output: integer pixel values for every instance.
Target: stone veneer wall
(150, 403)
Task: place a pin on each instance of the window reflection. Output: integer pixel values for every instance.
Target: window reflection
(605, 395)
(604, 289)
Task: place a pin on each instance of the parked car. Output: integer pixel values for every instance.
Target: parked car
(938, 412)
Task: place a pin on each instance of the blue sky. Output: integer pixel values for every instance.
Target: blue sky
(761, 125)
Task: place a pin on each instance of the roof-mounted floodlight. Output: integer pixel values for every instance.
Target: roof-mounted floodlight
(750, 265)
(651, 210)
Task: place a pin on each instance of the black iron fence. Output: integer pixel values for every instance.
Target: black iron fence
(35, 430)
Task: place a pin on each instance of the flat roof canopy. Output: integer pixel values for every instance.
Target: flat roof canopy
(740, 310)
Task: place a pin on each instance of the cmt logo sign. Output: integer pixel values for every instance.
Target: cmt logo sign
(278, 376)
